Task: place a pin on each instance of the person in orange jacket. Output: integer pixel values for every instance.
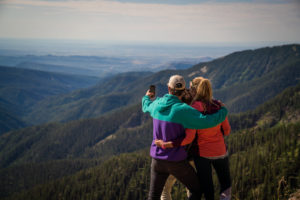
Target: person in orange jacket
(209, 149)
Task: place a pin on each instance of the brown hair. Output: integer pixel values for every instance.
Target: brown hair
(176, 92)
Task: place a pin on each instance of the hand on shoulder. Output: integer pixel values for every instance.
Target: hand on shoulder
(221, 103)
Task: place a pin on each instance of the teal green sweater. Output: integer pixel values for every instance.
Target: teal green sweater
(169, 108)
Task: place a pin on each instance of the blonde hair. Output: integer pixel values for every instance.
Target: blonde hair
(203, 90)
(196, 81)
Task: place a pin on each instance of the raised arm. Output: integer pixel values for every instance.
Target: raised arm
(146, 104)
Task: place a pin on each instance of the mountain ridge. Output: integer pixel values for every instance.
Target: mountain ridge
(226, 74)
(22, 88)
(82, 138)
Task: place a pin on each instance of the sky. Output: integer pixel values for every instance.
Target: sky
(169, 21)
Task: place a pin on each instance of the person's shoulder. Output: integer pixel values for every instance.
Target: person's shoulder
(214, 106)
(183, 107)
(198, 105)
(216, 102)
(157, 98)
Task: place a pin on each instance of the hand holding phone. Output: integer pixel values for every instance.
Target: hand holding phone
(152, 91)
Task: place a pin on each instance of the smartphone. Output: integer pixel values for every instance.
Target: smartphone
(152, 90)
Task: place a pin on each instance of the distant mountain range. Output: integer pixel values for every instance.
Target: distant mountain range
(56, 68)
(182, 64)
(99, 66)
(243, 80)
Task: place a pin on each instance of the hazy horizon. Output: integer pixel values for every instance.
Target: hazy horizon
(167, 29)
(65, 47)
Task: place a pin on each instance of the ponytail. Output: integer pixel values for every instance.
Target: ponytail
(203, 91)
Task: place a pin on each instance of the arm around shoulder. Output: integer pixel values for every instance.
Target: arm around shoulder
(194, 119)
(219, 116)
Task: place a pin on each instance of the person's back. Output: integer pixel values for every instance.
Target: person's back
(211, 146)
(210, 141)
(165, 127)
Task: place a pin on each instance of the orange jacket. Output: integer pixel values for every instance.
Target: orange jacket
(210, 141)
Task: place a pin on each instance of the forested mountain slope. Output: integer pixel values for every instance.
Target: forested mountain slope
(248, 95)
(262, 167)
(262, 140)
(107, 95)
(243, 80)
(9, 121)
(27, 175)
(284, 108)
(22, 88)
(8, 117)
(125, 130)
(240, 67)
(74, 139)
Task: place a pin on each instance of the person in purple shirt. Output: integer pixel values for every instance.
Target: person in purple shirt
(170, 119)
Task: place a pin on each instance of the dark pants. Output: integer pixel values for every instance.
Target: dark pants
(182, 170)
(204, 172)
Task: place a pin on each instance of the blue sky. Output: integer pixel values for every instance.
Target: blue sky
(171, 21)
